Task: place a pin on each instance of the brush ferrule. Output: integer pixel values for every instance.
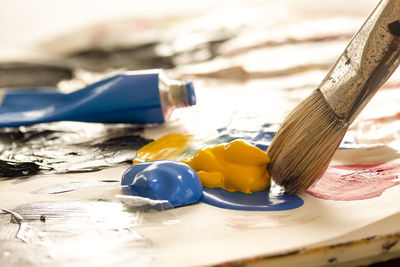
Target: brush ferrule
(367, 62)
(339, 119)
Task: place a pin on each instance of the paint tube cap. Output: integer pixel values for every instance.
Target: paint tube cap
(191, 96)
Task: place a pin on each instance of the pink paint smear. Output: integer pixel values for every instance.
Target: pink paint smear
(356, 182)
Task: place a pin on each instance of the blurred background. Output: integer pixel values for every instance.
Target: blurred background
(43, 42)
(25, 22)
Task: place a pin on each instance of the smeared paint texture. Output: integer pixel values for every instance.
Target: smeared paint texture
(236, 166)
(60, 233)
(67, 147)
(167, 180)
(356, 182)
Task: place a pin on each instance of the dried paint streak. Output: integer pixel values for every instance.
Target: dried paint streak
(73, 233)
(72, 186)
(356, 182)
(23, 225)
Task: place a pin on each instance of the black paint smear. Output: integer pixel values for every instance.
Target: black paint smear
(17, 169)
(67, 147)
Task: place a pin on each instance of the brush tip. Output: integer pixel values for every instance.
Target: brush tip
(305, 144)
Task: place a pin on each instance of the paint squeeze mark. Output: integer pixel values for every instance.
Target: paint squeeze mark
(23, 225)
(356, 182)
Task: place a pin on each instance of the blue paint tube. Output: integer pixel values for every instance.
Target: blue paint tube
(138, 97)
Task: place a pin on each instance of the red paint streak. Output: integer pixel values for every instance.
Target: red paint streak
(356, 182)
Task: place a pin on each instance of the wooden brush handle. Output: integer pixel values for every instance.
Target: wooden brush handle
(367, 62)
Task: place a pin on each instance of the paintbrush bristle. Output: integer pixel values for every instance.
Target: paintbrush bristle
(305, 144)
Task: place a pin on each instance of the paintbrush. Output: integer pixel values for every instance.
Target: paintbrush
(308, 138)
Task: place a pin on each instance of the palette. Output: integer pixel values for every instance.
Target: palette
(86, 207)
(93, 211)
(78, 214)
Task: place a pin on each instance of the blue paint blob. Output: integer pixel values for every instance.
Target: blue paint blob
(272, 199)
(262, 136)
(168, 180)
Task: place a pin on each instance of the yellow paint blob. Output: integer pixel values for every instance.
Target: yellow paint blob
(236, 166)
(169, 146)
